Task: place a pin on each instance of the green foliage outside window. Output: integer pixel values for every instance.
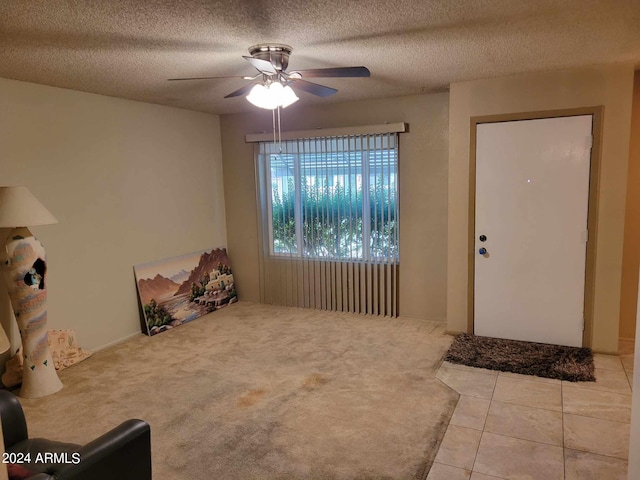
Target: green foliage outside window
(333, 221)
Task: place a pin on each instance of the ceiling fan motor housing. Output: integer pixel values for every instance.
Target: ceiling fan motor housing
(272, 59)
(275, 53)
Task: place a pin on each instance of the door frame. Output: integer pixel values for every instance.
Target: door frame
(592, 216)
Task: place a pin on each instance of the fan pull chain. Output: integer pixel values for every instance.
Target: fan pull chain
(279, 133)
(277, 140)
(273, 115)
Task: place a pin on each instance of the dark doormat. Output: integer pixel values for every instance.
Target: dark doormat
(550, 361)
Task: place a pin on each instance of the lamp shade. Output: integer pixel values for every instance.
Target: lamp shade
(259, 96)
(287, 96)
(19, 208)
(271, 97)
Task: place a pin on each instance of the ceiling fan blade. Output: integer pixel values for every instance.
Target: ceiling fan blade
(343, 72)
(201, 78)
(240, 91)
(261, 65)
(314, 88)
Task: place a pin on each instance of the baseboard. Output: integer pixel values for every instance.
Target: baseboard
(415, 317)
(453, 332)
(116, 342)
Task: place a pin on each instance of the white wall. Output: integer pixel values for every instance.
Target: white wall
(129, 182)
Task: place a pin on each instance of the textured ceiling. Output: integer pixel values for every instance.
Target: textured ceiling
(128, 48)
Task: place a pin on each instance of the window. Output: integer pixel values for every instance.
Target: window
(332, 198)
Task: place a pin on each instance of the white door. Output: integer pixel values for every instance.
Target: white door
(532, 192)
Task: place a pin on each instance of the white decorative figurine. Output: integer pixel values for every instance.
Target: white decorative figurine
(24, 264)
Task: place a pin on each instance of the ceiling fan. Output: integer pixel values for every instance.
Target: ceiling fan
(272, 60)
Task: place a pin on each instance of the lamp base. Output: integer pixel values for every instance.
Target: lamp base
(23, 263)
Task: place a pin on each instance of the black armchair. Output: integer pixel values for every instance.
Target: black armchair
(123, 453)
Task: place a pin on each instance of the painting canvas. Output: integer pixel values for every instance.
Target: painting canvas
(180, 289)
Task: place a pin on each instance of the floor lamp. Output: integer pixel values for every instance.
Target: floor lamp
(24, 264)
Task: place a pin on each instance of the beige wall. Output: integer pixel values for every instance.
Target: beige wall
(423, 190)
(129, 182)
(634, 437)
(609, 86)
(631, 248)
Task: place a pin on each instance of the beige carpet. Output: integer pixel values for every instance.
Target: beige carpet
(262, 392)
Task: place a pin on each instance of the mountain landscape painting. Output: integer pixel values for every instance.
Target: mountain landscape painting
(180, 289)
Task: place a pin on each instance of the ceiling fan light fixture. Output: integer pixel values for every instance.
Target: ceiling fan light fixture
(285, 94)
(271, 97)
(259, 96)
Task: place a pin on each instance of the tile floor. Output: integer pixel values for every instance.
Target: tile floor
(508, 426)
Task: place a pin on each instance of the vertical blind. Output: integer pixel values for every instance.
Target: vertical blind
(329, 222)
